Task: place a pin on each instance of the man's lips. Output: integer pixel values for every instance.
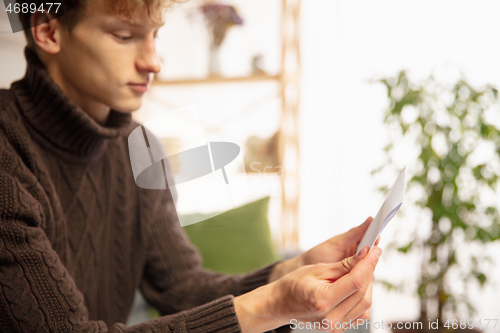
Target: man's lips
(140, 87)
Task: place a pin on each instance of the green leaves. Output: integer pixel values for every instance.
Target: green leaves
(389, 285)
(406, 248)
(481, 278)
(477, 172)
(447, 124)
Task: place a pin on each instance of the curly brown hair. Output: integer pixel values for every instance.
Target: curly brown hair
(72, 11)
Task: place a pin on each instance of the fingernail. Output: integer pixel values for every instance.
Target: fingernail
(361, 251)
(379, 252)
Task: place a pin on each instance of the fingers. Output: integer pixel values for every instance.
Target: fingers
(371, 259)
(351, 249)
(356, 304)
(358, 315)
(377, 241)
(355, 314)
(331, 291)
(359, 308)
(358, 278)
(333, 272)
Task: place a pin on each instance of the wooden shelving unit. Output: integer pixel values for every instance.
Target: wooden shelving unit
(288, 140)
(219, 79)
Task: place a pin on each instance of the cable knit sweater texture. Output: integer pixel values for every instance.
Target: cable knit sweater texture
(78, 237)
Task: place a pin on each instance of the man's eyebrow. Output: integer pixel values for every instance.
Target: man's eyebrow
(133, 24)
(129, 23)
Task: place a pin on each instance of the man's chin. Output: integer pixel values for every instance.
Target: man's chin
(127, 107)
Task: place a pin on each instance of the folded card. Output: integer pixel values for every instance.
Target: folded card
(390, 207)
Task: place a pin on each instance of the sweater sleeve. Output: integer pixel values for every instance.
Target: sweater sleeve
(37, 294)
(173, 277)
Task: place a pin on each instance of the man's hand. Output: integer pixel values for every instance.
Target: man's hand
(333, 250)
(333, 293)
(337, 248)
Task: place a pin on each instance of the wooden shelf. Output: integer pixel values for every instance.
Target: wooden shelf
(218, 79)
(288, 136)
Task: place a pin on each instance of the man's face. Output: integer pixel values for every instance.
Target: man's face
(106, 61)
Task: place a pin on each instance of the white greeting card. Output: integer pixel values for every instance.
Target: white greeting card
(390, 207)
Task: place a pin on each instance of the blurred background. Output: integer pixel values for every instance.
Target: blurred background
(328, 101)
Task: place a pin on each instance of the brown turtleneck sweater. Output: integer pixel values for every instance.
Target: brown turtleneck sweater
(78, 237)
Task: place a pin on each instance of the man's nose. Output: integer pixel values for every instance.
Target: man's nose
(148, 60)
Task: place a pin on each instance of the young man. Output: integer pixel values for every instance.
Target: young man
(78, 237)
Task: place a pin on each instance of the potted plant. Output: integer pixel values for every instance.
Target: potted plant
(451, 185)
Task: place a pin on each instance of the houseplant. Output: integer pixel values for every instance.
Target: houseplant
(452, 181)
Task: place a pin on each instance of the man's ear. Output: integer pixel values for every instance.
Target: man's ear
(46, 32)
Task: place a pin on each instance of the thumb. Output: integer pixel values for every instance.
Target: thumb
(333, 272)
(356, 233)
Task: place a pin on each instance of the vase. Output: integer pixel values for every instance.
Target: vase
(214, 62)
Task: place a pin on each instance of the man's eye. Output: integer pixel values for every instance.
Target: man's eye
(123, 38)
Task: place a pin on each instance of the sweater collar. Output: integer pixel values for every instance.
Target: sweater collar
(58, 119)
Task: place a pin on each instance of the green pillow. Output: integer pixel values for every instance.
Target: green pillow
(236, 241)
